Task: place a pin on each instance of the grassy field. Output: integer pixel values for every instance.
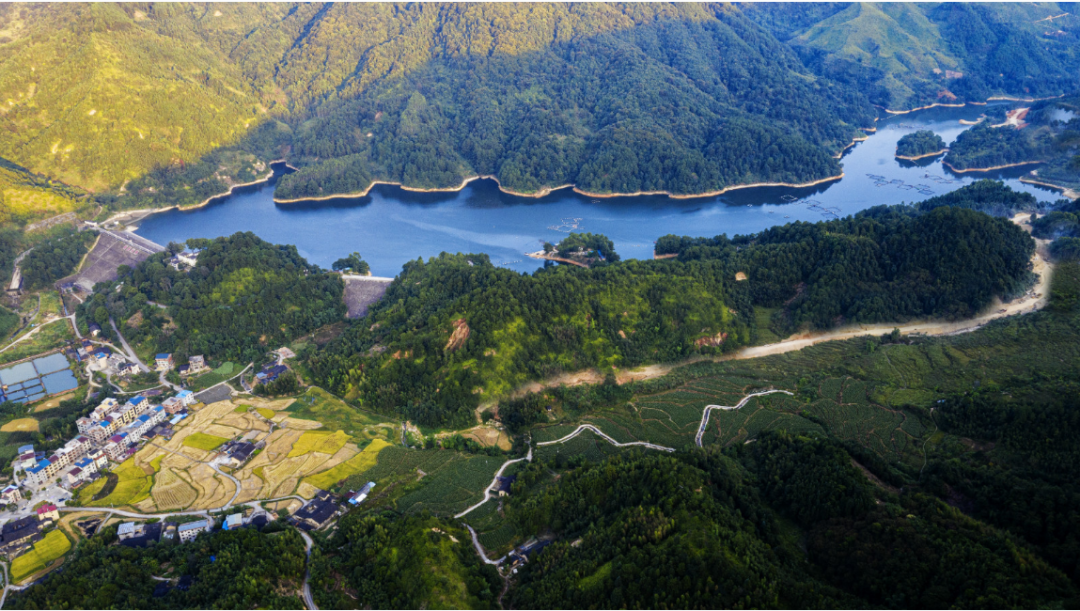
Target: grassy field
(54, 545)
(203, 441)
(319, 405)
(324, 442)
(360, 463)
(20, 424)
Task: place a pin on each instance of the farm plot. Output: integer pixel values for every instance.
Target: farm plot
(360, 463)
(551, 433)
(885, 431)
(54, 545)
(727, 427)
(170, 492)
(203, 441)
(20, 425)
(334, 414)
(457, 483)
(318, 441)
(132, 485)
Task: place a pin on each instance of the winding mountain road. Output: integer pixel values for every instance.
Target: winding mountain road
(494, 480)
(710, 408)
(598, 432)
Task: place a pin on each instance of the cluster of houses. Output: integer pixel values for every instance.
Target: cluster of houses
(101, 357)
(321, 510)
(16, 536)
(140, 534)
(110, 433)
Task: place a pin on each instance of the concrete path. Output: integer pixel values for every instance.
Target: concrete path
(134, 358)
(309, 600)
(598, 432)
(480, 549)
(494, 480)
(710, 408)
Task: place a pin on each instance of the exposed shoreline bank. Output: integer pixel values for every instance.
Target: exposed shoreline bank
(995, 98)
(992, 168)
(918, 157)
(1065, 191)
(549, 190)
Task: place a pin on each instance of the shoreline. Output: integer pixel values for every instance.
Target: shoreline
(545, 256)
(1067, 192)
(994, 98)
(918, 157)
(549, 190)
(142, 213)
(992, 168)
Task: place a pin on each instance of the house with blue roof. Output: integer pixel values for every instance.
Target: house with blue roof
(186, 397)
(39, 473)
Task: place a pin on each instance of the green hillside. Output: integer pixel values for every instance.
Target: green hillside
(906, 55)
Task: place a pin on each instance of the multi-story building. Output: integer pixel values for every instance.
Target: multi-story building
(163, 362)
(85, 424)
(38, 474)
(117, 446)
(186, 397)
(104, 408)
(98, 434)
(99, 458)
(88, 466)
(191, 530)
(11, 494)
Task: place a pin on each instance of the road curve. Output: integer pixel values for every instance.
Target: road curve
(480, 549)
(498, 474)
(309, 600)
(710, 408)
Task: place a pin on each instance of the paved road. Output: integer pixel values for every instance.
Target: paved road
(308, 599)
(494, 480)
(710, 408)
(589, 427)
(127, 348)
(480, 549)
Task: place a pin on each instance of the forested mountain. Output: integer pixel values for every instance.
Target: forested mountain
(456, 329)
(907, 55)
(244, 297)
(148, 104)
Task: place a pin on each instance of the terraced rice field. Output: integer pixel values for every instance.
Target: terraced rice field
(54, 545)
(133, 486)
(324, 442)
(203, 441)
(358, 464)
(171, 492)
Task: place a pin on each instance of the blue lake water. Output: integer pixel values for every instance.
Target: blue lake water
(391, 226)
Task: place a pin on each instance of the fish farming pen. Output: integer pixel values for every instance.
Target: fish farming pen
(566, 225)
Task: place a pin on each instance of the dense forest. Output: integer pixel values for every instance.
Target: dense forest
(983, 147)
(906, 55)
(244, 297)
(705, 530)
(455, 329)
(392, 562)
(239, 569)
(613, 98)
(919, 144)
(55, 258)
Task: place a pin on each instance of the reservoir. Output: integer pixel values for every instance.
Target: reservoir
(391, 226)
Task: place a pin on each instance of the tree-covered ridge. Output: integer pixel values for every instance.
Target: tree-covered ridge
(990, 196)
(239, 569)
(882, 265)
(684, 103)
(243, 298)
(986, 147)
(906, 55)
(919, 144)
(54, 258)
(704, 530)
(402, 357)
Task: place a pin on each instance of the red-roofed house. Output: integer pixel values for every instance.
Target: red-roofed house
(48, 512)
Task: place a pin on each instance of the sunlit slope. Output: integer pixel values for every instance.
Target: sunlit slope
(98, 94)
